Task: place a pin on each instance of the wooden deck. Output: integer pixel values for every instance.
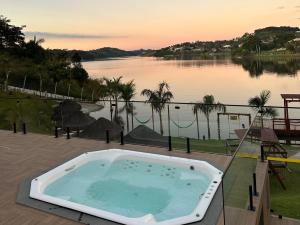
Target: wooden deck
(285, 221)
(22, 156)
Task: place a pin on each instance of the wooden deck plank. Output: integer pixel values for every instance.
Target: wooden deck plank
(284, 221)
(22, 156)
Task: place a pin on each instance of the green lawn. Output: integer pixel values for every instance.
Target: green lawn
(287, 203)
(36, 113)
(237, 181)
(212, 146)
(291, 147)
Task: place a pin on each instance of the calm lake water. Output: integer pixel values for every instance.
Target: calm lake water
(231, 82)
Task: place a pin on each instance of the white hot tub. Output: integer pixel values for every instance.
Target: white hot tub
(131, 187)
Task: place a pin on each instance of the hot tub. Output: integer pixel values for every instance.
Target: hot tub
(131, 187)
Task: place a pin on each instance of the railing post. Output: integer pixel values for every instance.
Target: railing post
(188, 145)
(24, 128)
(170, 143)
(251, 207)
(262, 153)
(223, 203)
(56, 132)
(107, 137)
(68, 132)
(15, 128)
(169, 121)
(219, 128)
(255, 193)
(122, 138)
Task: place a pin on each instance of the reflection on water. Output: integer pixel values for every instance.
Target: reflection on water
(230, 81)
(256, 68)
(200, 63)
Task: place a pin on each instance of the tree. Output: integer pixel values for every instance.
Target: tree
(207, 106)
(34, 50)
(10, 36)
(79, 74)
(252, 43)
(158, 99)
(259, 104)
(77, 71)
(113, 91)
(195, 111)
(76, 60)
(127, 93)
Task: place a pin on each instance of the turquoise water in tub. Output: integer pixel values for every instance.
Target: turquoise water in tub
(133, 188)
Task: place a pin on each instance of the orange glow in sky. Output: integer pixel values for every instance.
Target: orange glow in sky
(134, 24)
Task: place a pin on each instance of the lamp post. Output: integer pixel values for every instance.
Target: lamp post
(69, 88)
(81, 93)
(112, 110)
(24, 83)
(41, 84)
(55, 88)
(6, 81)
(93, 95)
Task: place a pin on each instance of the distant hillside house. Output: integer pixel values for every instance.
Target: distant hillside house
(296, 40)
(281, 49)
(268, 41)
(198, 50)
(178, 49)
(227, 46)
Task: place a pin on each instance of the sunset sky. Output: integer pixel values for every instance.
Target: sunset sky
(134, 24)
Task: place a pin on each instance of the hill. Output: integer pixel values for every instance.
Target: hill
(267, 40)
(101, 53)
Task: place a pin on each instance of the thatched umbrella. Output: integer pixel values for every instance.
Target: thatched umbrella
(146, 136)
(64, 109)
(97, 130)
(78, 120)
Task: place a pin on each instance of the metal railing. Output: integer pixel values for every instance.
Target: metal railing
(50, 116)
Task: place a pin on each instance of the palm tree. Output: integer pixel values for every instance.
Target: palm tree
(195, 110)
(113, 91)
(38, 42)
(158, 99)
(207, 106)
(127, 93)
(259, 104)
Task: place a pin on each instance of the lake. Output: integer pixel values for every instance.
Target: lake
(230, 81)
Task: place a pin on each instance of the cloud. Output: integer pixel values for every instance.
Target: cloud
(69, 36)
(280, 7)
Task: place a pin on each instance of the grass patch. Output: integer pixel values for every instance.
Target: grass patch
(291, 147)
(237, 181)
(287, 203)
(19, 108)
(212, 146)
